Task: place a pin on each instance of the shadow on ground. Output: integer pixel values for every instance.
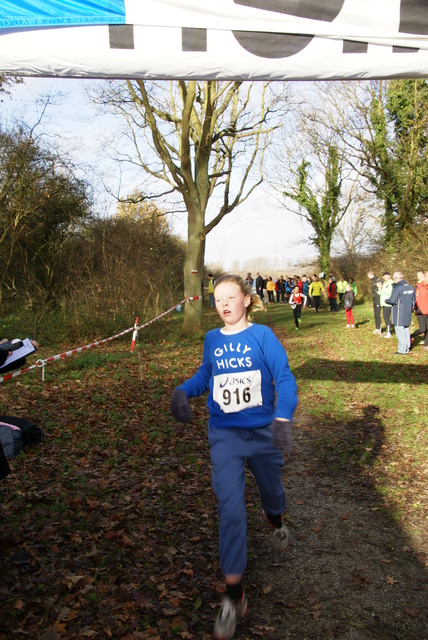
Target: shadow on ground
(377, 371)
(351, 572)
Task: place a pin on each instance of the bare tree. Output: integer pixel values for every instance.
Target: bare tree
(205, 141)
(311, 170)
(360, 231)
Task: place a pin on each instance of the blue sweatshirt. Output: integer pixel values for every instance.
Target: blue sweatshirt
(242, 371)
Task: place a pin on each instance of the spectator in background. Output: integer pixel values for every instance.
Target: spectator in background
(288, 287)
(385, 290)
(259, 285)
(265, 295)
(353, 285)
(315, 290)
(270, 288)
(332, 293)
(420, 275)
(341, 289)
(376, 301)
(211, 283)
(281, 288)
(249, 280)
(403, 301)
(421, 309)
(348, 303)
(277, 290)
(305, 290)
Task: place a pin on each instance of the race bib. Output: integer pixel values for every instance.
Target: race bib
(237, 391)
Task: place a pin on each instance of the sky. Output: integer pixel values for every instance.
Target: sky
(258, 235)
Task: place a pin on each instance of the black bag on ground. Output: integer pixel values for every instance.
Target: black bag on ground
(18, 433)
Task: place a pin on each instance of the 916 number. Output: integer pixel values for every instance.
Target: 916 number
(227, 396)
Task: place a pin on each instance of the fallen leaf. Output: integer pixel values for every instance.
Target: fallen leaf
(71, 580)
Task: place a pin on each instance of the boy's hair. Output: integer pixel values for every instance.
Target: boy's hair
(256, 303)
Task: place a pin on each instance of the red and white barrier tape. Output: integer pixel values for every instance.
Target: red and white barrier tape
(146, 324)
(134, 335)
(66, 354)
(13, 374)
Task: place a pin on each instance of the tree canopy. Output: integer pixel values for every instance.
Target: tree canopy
(205, 142)
(395, 152)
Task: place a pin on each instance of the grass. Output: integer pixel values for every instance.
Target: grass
(337, 370)
(368, 405)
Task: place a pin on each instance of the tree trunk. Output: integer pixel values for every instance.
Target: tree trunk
(324, 254)
(193, 273)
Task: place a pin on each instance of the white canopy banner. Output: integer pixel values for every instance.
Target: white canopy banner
(225, 39)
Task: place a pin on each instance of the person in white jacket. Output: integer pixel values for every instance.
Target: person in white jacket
(385, 290)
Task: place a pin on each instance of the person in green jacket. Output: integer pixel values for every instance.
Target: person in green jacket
(385, 290)
(353, 285)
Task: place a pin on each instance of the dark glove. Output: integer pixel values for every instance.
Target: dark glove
(180, 407)
(282, 435)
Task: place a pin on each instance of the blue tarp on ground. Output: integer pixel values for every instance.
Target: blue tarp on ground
(39, 13)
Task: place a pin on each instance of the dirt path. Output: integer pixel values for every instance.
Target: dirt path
(351, 572)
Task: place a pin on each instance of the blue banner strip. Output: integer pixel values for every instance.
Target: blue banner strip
(40, 13)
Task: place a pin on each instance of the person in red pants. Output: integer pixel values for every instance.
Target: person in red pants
(348, 303)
